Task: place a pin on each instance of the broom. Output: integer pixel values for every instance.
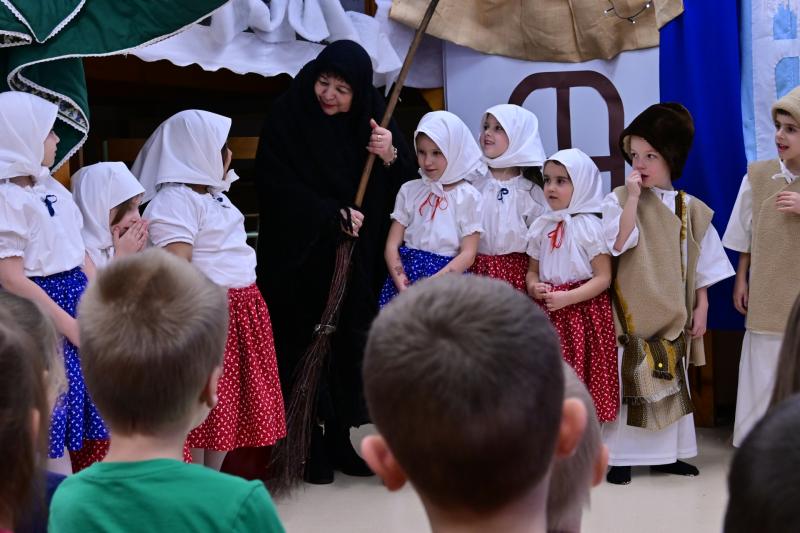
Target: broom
(289, 455)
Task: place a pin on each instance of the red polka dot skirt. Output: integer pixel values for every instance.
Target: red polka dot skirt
(508, 267)
(250, 411)
(588, 344)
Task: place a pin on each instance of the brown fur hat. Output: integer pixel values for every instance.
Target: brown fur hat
(669, 128)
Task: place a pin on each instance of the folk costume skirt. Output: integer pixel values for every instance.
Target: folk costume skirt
(588, 344)
(250, 412)
(507, 267)
(74, 417)
(418, 264)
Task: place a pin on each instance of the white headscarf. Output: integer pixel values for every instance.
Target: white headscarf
(185, 148)
(25, 122)
(524, 143)
(587, 194)
(97, 189)
(457, 144)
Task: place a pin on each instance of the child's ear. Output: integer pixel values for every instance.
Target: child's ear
(209, 393)
(573, 424)
(600, 465)
(381, 460)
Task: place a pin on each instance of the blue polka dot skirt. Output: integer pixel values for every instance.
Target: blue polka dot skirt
(418, 264)
(74, 417)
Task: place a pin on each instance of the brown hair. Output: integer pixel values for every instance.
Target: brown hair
(571, 478)
(463, 379)
(29, 317)
(787, 377)
(22, 391)
(121, 209)
(764, 478)
(152, 330)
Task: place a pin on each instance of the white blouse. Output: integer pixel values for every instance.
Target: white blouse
(738, 235)
(437, 224)
(48, 243)
(581, 242)
(712, 265)
(508, 210)
(211, 224)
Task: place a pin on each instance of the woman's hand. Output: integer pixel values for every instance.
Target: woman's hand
(131, 241)
(357, 220)
(380, 142)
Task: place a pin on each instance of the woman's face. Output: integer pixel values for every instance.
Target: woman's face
(50, 145)
(334, 94)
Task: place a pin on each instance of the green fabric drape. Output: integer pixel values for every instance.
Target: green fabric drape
(42, 43)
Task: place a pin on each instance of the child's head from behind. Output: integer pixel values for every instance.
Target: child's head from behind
(446, 150)
(786, 115)
(657, 143)
(573, 476)
(153, 332)
(572, 181)
(23, 416)
(764, 479)
(463, 380)
(27, 316)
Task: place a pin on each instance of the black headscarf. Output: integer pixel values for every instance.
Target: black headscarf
(309, 163)
(307, 168)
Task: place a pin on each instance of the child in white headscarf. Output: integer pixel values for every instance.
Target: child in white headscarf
(42, 255)
(108, 196)
(436, 222)
(510, 202)
(184, 168)
(570, 272)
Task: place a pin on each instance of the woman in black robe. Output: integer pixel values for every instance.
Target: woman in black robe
(312, 150)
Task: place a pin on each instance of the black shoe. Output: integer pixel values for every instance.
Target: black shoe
(318, 470)
(619, 475)
(678, 468)
(342, 455)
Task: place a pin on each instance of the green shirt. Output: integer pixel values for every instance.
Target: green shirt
(160, 495)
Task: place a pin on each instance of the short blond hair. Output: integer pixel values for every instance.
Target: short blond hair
(571, 478)
(152, 330)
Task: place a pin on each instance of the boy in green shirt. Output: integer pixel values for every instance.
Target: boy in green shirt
(152, 332)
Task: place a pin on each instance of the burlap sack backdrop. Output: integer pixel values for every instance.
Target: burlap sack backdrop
(543, 30)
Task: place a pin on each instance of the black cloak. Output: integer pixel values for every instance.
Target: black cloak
(307, 168)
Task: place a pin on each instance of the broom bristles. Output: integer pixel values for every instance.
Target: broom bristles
(290, 454)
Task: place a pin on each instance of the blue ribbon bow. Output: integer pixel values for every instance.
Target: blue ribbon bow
(49, 200)
(502, 192)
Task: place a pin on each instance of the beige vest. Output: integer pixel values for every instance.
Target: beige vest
(775, 253)
(656, 300)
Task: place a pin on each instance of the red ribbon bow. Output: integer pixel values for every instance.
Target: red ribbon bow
(439, 204)
(556, 236)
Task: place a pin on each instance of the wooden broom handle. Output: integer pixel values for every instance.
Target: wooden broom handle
(387, 115)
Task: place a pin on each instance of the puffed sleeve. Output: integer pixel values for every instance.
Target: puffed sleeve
(174, 215)
(589, 235)
(402, 204)
(738, 233)
(611, 213)
(534, 249)
(14, 226)
(713, 264)
(469, 214)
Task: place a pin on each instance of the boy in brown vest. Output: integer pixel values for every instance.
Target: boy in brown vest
(668, 255)
(764, 228)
